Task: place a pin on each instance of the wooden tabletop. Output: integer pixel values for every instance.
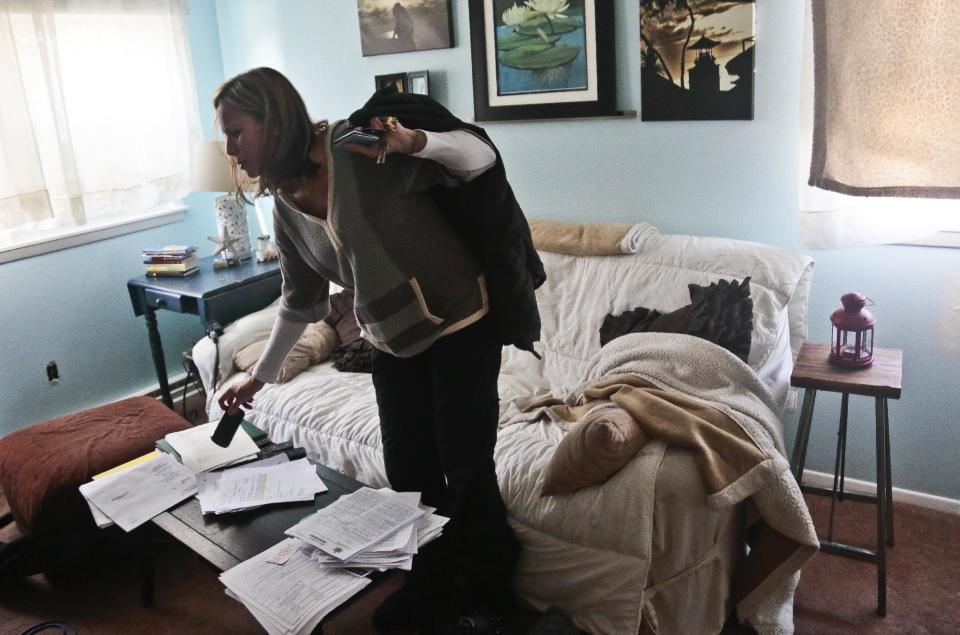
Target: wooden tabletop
(881, 379)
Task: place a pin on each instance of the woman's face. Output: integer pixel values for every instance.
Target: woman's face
(244, 135)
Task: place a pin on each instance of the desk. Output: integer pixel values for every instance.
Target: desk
(220, 295)
(812, 372)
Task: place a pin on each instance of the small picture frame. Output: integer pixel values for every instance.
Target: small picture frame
(418, 82)
(397, 79)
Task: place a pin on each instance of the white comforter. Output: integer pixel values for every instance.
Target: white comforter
(619, 517)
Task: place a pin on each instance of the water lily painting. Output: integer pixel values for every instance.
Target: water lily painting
(538, 59)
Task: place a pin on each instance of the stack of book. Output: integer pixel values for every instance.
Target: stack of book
(171, 260)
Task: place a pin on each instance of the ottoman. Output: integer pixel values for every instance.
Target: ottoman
(42, 466)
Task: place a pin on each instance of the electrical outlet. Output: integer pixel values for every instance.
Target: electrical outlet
(53, 373)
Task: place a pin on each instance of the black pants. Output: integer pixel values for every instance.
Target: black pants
(438, 421)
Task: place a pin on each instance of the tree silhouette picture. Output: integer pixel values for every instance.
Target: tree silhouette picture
(697, 59)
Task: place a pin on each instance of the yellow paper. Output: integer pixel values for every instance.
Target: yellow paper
(128, 464)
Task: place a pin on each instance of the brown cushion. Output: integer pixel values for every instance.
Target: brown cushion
(594, 449)
(42, 466)
(313, 347)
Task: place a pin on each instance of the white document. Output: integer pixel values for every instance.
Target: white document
(99, 517)
(396, 551)
(354, 522)
(243, 487)
(293, 597)
(208, 483)
(134, 496)
(199, 453)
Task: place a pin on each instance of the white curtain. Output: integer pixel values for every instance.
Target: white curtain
(98, 110)
(880, 121)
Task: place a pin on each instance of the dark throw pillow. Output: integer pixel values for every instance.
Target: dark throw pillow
(354, 354)
(721, 312)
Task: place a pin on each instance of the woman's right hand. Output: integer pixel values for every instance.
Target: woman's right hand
(240, 395)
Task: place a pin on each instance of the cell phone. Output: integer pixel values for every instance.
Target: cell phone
(229, 423)
(362, 136)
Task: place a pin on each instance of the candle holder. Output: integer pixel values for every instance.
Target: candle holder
(266, 250)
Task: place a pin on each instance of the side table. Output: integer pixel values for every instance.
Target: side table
(220, 295)
(812, 372)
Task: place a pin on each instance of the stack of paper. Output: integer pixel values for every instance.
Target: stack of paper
(370, 529)
(135, 495)
(272, 480)
(286, 591)
(199, 453)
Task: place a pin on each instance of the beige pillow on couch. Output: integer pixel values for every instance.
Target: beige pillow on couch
(596, 447)
(313, 347)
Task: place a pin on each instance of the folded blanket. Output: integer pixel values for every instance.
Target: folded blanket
(725, 455)
(589, 239)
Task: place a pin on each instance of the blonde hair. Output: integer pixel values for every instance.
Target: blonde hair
(268, 96)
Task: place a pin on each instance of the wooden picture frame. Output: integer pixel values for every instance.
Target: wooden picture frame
(399, 79)
(529, 65)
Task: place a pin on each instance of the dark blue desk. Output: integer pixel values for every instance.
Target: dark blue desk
(221, 295)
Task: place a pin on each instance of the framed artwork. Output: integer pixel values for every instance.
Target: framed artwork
(400, 26)
(696, 59)
(542, 59)
(398, 79)
(419, 82)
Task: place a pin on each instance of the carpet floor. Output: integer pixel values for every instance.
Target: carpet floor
(836, 595)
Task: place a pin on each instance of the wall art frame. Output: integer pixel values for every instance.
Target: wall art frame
(397, 79)
(530, 64)
(402, 26)
(418, 82)
(697, 62)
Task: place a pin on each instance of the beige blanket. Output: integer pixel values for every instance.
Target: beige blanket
(688, 392)
(588, 239)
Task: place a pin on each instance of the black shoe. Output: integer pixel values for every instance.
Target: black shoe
(478, 623)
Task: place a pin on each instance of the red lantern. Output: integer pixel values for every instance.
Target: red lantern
(851, 343)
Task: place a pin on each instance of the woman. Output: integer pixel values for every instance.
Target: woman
(368, 219)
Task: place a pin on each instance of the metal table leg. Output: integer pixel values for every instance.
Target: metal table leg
(886, 433)
(803, 433)
(881, 507)
(839, 465)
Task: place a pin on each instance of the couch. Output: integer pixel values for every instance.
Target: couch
(650, 549)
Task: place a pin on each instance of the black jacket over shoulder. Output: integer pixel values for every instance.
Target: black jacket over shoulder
(485, 214)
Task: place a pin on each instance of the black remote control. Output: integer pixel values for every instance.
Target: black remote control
(227, 427)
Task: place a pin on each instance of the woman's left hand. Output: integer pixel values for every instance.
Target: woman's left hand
(399, 140)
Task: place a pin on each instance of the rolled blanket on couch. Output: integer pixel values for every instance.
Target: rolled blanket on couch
(588, 239)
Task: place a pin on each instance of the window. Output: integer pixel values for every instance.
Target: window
(881, 114)
(99, 113)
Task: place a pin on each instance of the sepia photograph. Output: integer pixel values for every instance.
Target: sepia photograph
(397, 79)
(400, 26)
(696, 59)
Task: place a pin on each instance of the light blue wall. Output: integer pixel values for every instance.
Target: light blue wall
(733, 179)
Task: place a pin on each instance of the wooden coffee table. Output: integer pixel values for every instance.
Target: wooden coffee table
(226, 540)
